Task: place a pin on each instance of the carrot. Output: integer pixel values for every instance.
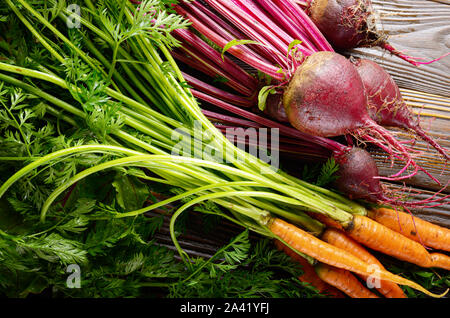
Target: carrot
(309, 273)
(416, 229)
(332, 255)
(343, 280)
(381, 238)
(339, 239)
(440, 260)
(326, 220)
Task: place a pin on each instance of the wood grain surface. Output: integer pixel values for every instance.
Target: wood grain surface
(418, 28)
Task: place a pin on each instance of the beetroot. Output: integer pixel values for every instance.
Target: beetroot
(326, 97)
(275, 109)
(358, 179)
(356, 176)
(385, 102)
(350, 24)
(345, 23)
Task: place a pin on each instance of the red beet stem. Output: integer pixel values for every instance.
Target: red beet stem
(241, 52)
(221, 27)
(285, 130)
(235, 71)
(286, 23)
(217, 92)
(189, 57)
(254, 31)
(300, 16)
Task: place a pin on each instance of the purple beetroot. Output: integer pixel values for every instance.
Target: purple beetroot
(274, 108)
(326, 97)
(357, 176)
(349, 24)
(385, 103)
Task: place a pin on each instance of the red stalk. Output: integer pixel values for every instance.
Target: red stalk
(241, 51)
(191, 58)
(257, 13)
(214, 91)
(297, 14)
(284, 130)
(225, 63)
(287, 23)
(253, 30)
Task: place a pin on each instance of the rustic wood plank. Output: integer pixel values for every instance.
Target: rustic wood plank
(421, 29)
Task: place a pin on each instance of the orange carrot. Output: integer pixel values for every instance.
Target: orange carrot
(341, 240)
(326, 220)
(381, 238)
(309, 273)
(440, 260)
(343, 280)
(332, 255)
(416, 229)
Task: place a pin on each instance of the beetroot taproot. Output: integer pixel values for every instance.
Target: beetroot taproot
(356, 176)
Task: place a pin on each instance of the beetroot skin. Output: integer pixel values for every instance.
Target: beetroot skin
(345, 23)
(357, 176)
(275, 109)
(325, 97)
(385, 102)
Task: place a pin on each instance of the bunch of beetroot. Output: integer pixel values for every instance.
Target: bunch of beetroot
(320, 93)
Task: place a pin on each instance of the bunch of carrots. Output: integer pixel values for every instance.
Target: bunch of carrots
(388, 231)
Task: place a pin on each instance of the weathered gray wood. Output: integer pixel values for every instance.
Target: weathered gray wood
(421, 29)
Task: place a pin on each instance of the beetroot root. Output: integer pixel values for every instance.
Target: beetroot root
(358, 179)
(326, 97)
(349, 24)
(356, 176)
(274, 108)
(345, 23)
(385, 103)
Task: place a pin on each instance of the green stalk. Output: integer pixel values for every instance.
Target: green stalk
(194, 191)
(146, 161)
(61, 153)
(48, 25)
(257, 215)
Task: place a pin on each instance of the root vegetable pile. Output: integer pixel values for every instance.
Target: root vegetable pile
(124, 107)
